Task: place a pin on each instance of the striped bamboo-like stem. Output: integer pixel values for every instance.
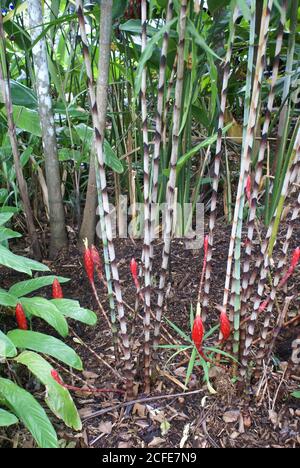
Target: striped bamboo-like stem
(264, 261)
(278, 328)
(234, 312)
(249, 139)
(147, 215)
(246, 288)
(168, 101)
(173, 162)
(276, 281)
(159, 123)
(105, 202)
(217, 163)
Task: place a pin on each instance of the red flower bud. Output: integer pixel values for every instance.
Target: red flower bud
(89, 265)
(55, 375)
(57, 292)
(198, 332)
(224, 325)
(134, 269)
(263, 305)
(21, 317)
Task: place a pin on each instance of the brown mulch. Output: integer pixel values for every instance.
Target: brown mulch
(224, 419)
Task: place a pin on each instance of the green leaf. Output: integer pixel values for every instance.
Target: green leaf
(6, 234)
(204, 144)
(7, 348)
(21, 95)
(200, 41)
(18, 263)
(118, 9)
(30, 412)
(190, 367)
(7, 419)
(26, 287)
(45, 344)
(296, 394)
(71, 309)
(179, 331)
(111, 159)
(244, 9)
(215, 5)
(46, 310)
(7, 299)
(57, 397)
(5, 217)
(146, 55)
(27, 120)
(86, 135)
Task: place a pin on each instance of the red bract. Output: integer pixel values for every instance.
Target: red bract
(97, 262)
(248, 189)
(206, 246)
(263, 305)
(55, 375)
(134, 268)
(89, 265)
(21, 317)
(225, 325)
(57, 292)
(295, 258)
(198, 332)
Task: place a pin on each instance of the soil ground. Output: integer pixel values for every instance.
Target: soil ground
(228, 418)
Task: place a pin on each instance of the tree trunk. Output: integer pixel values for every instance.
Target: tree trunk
(88, 226)
(5, 88)
(39, 53)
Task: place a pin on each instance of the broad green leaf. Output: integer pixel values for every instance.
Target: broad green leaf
(30, 412)
(35, 266)
(26, 287)
(111, 159)
(86, 135)
(7, 299)
(45, 344)
(296, 394)
(7, 419)
(46, 310)
(57, 397)
(7, 348)
(5, 217)
(6, 234)
(72, 309)
(18, 263)
(21, 95)
(118, 9)
(27, 120)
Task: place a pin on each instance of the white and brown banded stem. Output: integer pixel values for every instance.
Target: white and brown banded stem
(99, 139)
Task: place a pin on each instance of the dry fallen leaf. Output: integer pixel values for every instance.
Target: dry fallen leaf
(105, 427)
(273, 416)
(231, 416)
(139, 409)
(155, 442)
